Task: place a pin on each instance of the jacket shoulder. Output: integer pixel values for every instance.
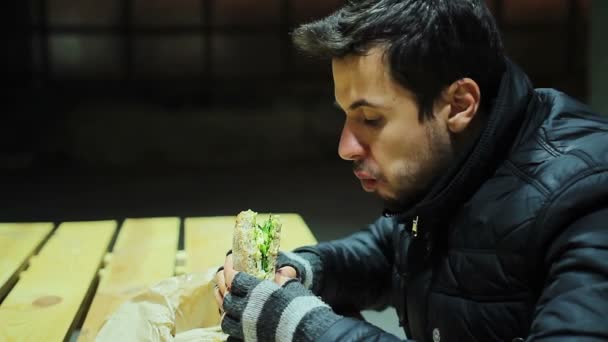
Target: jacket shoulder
(566, 159)
(567, 142)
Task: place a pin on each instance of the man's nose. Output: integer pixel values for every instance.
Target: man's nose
(350, 147)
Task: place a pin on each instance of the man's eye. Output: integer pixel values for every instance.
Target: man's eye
(372, 122)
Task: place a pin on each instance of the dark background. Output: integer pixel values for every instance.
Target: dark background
(139, 108)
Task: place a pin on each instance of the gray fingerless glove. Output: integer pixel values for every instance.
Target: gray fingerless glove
(263, 311)
(307, 264)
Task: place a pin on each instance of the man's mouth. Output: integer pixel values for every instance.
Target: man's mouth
(362, 175)
(368, 182)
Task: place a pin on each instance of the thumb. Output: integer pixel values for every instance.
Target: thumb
(281, 277)
(288, 271)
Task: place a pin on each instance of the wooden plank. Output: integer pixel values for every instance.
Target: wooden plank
(143, 255)
(45, 302)
(18, 242)
(207, 239)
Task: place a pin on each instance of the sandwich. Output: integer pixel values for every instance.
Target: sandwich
(255, 245)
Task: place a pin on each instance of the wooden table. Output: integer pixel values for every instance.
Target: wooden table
(55, 280)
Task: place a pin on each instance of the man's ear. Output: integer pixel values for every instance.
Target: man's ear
(464, 97)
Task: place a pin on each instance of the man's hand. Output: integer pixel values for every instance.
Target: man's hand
(226, 274)
(285, 272)
(296, 265)
(256, 310)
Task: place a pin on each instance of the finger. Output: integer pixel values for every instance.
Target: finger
(281, 279)
(228, 261)
(231, 326)
(229, 272)
(219, 299)
(288, 271)
(220, 282)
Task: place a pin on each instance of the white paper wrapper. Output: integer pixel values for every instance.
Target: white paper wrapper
(181, 309)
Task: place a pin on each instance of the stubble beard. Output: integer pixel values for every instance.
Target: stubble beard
(414, 178)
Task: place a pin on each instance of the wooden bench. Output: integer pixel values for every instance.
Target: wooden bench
(55, 281)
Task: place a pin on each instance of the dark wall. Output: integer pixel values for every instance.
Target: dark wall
(598, 70)
(199, 83)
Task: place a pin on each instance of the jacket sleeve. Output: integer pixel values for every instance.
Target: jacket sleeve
(348, 329)
(573, 304)
(357, 269)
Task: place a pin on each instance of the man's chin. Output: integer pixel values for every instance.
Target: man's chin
(392, 202)
(398, 205)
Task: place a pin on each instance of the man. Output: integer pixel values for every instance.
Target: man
(496, 226)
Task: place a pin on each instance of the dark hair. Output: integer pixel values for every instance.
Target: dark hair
(430, 43)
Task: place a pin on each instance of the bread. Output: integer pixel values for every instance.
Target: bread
(255, 246)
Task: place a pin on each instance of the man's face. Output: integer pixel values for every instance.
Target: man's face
(394, 154)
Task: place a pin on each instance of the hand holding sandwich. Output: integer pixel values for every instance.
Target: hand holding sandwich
(262, 310)
(259, 304)
(226, 274)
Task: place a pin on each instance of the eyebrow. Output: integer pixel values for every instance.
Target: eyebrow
(359, 103)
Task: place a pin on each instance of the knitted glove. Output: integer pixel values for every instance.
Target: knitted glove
(263, 311)
(307, 264)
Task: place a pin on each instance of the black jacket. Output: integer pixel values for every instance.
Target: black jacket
(511, 243)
